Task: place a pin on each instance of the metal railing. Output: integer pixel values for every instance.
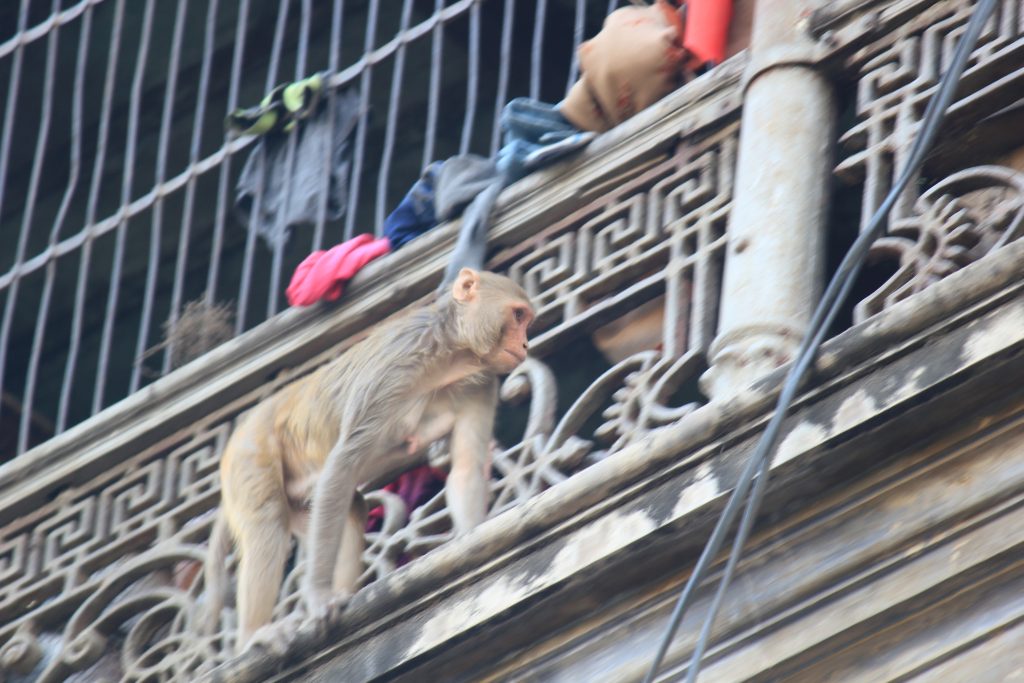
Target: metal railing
(116, 174)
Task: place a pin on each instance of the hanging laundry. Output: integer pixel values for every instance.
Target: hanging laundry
(460, 180)
(640, 55)
(280, 109)
(414, 215)
(441, 193)
(291, 194)
(323, 274)
(536, 134)
(472, 242)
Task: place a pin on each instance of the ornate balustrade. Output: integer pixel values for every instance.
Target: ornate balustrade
(105, 525)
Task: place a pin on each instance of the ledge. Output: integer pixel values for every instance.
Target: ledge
(967, 327)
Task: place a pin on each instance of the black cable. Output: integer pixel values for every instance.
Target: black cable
(836, 292)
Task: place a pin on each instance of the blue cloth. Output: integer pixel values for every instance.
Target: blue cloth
(536, 134)
(414, 215)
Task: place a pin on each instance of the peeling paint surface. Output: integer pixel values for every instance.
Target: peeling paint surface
(854, 410)
(490, 601)
(804, 436)
(910, 386)
(992, 338)
(584, 547)
(703, 489)
(598, 540)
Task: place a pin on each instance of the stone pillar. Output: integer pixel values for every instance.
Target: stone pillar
(775, 259)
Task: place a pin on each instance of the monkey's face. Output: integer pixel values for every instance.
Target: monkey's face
(494, 314)
(513, 343)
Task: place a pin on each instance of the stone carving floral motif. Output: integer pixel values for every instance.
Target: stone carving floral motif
(956, 223)
(946, 223)
(104, 583)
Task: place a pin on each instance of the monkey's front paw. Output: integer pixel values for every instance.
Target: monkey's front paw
(326, 609)
(276, 637)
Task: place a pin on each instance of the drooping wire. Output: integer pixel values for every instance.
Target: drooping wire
(836, 292)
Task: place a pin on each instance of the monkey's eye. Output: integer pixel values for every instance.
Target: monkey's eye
(520, 315)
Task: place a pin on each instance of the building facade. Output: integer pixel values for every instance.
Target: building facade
(674, 265)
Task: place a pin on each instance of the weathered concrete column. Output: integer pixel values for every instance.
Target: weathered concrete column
(774, 263)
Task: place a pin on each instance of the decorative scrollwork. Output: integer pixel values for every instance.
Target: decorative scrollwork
(976, 208)
(121, 551)
(956, 222)
(139, 625)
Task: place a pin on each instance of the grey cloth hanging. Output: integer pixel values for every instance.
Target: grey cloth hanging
(290, 196)
(459, 180)
(476, 181)
(471, 247)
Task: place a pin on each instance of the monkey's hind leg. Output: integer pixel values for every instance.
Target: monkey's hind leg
(349, 566)
(264, 542)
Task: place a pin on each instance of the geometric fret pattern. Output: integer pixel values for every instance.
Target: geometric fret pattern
(106, 583)
(962, 205)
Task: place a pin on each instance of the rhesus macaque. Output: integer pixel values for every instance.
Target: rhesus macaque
(362, 419)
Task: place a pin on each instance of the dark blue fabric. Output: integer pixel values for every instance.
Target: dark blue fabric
(536, 134)
(414, 215)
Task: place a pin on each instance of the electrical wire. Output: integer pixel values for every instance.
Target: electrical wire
(836, 292)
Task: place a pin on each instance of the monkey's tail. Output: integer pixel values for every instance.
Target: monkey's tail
(215, 574)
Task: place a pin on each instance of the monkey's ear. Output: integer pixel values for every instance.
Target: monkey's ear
(466, 285)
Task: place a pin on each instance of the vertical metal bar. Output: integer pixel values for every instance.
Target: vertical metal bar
(503, 72)
(5, 153)
(103, 136)
(332, 101)
(278, 46)
(277, 263)
(46, 114)
(10, 109)
(305, 19)
(300, 71)
(250, 242)
(126, 190)
(190, 189)
(473, 78)
(577, 38)
(364, 103)
(220, 214)
(436, 46)
(537, 54)
(394, 103)
(277, 266)
(74, 175)
(612, 4)
(250, 245)
(277, 254)
(156, 226)
(337, 23)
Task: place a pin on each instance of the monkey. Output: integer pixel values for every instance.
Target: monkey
(294, 463)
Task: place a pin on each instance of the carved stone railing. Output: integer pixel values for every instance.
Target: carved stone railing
(104, 527)
(969, 200)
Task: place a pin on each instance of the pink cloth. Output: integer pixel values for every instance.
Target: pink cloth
(323, 274)
(414, 487)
